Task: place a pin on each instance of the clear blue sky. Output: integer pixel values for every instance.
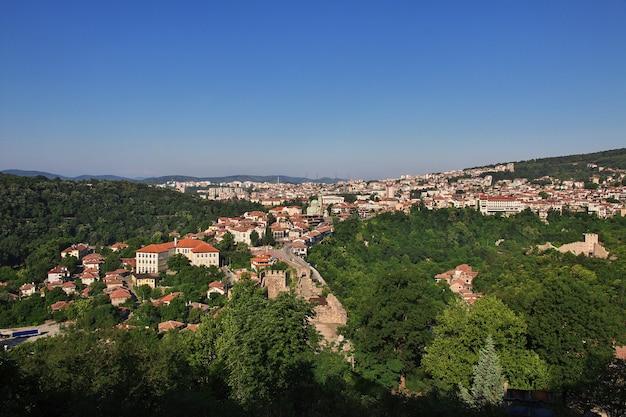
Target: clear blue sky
(359, 89)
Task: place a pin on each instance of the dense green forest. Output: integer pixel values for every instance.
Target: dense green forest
(572, 167)
(39, 217)
(553, 317)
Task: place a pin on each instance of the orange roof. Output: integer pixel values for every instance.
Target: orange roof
(195, 245)
(119, 293)
(169, 297)
(59, 305)
(205, 247)
(157, 248)
(192, 327)
(170, 325)
(93, 257)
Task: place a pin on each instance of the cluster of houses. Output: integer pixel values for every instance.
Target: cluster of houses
(473, 188)
(290, 225)
(119, 283)
(460, 280)
(116, 282)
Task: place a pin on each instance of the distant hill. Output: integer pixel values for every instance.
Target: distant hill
(562, 167)
(22, 173)
(177, 178)
(241, 178)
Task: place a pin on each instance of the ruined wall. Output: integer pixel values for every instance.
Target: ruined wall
(590, 246)
(332, 312)
(275, 282)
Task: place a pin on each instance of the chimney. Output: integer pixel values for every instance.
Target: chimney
(175, 242)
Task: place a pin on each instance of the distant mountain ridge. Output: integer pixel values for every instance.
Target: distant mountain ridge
(177, 178)
(559, 166)
(23, 173)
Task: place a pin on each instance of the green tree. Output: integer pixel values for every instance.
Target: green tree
(572, 324)
(268, 238)
(460, 334)
(178, 262)
(157, 292)
(487, 389)
(267, 347)
(176, 310)
(112, 262)
(71, 262)
(254, 238)
(393, 323)
(607, 391)
(143, 292)
(146, 315)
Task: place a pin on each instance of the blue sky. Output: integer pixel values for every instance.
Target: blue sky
(359, 89)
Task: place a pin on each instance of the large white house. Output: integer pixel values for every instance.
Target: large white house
(199, 252)
(152, 259)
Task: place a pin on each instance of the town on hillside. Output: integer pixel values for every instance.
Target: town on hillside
(148, 274)
(603, 195)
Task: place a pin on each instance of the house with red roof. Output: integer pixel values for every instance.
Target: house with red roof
(119, 296)
(28, 289)
(118, 246)
(460, 280)
(59, 305)
(78, 251)
(151, 280)
(93, 261)
(58, 273)
(86, 292)
(130, 263)
(298, 247)
(191, 327)
(89, 276)
(170, 325)
(216, 287)
(199, 252)
(204, 307)
(113, 283)
(279, 232)
(152, 259)
(167, 299)
(243, 233)
(68, 288)
(262, 261)
(51, 287)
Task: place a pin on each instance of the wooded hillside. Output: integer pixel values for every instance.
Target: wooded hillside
(572, 167)
(383, 270)
(39, 216)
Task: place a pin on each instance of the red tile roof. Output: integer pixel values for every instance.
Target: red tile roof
(170, 325)
(157, 248)
(120, 293)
